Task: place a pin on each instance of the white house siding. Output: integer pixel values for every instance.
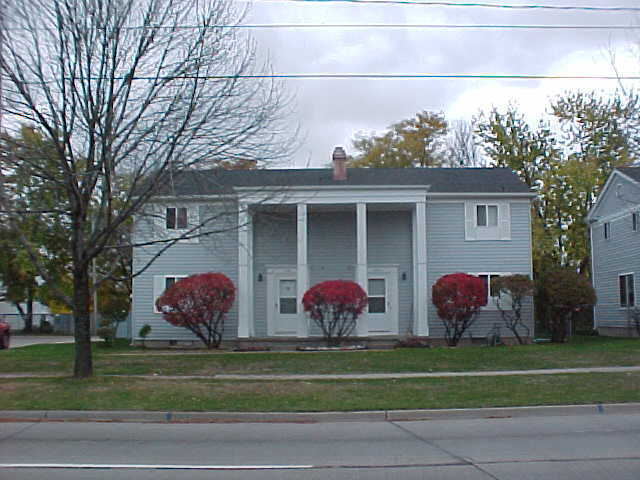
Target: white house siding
(215, 253)
(449, 252)
(617, 255)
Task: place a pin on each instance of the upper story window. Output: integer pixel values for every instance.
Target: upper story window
(627, 290)
(486, 215)
(487, 221)
(607, 230)
(176, 218)
(634, 221)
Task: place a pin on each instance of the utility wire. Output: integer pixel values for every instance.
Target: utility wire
(309, 76)
(468, 4)
(430, 26)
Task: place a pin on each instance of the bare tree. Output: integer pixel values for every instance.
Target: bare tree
(131, 93)
(462, 147)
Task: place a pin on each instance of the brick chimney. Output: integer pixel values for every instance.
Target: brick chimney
(339, 164)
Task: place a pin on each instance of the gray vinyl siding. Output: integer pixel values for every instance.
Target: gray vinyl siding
(389, 243)
(620, 195)
(619, 254)
(449, 252)
(274, 245)
(214, 253)
(332, 244)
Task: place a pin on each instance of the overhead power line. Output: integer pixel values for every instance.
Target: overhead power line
(583, 8)
(469, 26)
(434, 26)
(310, 76)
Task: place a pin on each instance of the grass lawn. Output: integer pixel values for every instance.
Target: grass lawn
(108, 393)
(580, 352)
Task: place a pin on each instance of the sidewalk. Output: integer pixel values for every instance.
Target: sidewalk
(358, 376)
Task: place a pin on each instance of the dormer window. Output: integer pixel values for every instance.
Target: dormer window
(176, 218)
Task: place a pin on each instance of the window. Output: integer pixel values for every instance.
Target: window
(486, 215)
(607, 230)
(176, 218)
(634, 221)
(287, 297)
(487, 279)
(487, 221)
(377, 293)
(627, 290)
(161, 283)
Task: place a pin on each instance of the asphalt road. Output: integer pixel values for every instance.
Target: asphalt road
(581, 447)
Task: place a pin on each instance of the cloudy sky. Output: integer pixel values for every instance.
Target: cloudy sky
(331, 111)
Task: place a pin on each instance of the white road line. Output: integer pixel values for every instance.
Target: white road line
(153, 467)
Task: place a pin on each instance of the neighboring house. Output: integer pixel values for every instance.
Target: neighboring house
(394, 231)
(614, 226)
(10, 314)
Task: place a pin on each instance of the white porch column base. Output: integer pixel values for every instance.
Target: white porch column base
(421, 321)
(302, 270)
(245, 278)
(361, 265)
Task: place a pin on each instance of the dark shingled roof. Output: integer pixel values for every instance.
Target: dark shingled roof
(633, 172)
(440, 180)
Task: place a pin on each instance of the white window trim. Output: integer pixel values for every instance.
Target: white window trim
(491, 302)
(500, 232)
(157, 293)
(635, 291)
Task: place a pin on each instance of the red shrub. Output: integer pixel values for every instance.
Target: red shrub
(199, 303)
(457, 298)
(334, 306)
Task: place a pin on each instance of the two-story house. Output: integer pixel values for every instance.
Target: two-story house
(278, 232)
(614, 226)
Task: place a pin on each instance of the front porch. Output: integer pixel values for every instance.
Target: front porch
(286, 245)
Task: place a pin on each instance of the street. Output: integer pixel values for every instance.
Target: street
(581, 447)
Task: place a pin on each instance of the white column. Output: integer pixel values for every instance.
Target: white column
(302, 271)
(244, 278)
(421, 321)
(361, 265)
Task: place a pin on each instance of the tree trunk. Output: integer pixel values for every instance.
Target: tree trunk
(83, 366)
(28, 319)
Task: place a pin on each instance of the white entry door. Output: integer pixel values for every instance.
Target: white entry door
(382, 289)
(283, 308)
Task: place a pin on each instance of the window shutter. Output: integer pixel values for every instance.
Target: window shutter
(158, 288)
(193, 215)
(159, 213)
(469, 221)
(504, 219)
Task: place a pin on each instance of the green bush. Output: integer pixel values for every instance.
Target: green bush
(566, 293)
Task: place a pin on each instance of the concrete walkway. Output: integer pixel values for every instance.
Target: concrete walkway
(356, 376)
(18, 341)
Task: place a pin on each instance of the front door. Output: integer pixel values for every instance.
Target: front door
(382, 289)
(283, 315)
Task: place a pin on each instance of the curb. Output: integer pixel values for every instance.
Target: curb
(131, 416)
